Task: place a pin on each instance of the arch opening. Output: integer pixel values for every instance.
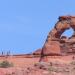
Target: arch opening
(68, 33)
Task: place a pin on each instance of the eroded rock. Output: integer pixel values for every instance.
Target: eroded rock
(56, 44)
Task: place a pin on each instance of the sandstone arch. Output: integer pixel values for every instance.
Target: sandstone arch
(52, 44)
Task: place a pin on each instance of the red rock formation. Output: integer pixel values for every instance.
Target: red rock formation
(55, 45)
(37, 52)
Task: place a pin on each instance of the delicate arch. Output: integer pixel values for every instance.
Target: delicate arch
(52, 44)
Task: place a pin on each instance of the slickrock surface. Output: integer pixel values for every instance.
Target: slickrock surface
(55, 66)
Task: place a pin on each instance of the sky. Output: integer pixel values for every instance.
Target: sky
(25, 24)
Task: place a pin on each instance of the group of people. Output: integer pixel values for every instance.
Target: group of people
(7, 53)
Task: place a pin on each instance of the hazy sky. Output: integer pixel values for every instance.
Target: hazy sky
(24, 24)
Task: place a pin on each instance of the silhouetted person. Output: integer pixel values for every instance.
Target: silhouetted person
(2, 53)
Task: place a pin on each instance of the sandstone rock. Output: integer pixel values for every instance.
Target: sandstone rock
(37, 52)
(56, 44)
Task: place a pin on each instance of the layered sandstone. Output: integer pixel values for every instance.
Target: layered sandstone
(56, 44)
